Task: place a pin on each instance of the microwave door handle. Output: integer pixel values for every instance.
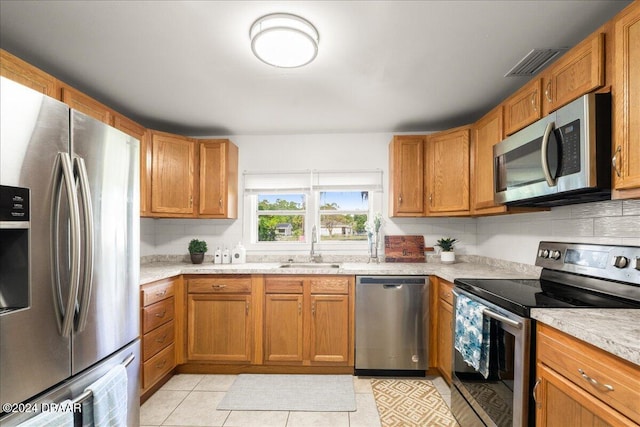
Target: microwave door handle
(65, 311)
(88, 236)
(551, 181)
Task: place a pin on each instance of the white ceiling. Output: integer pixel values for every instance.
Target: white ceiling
(383, 66)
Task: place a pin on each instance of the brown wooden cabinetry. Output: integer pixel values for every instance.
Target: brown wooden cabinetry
(220, 319)
(445, 329)
(218, 191)
(85, 104)
(447, 169)
(158, 325)
(487, 132)
(26, 74)
(523, 107)
(578, 384)
(626, 97)
(579, 71)
(308, 320)
(406, 171)
(172, 175)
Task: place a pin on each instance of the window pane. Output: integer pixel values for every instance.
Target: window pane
(281, 202)
(281, 228)
(346, 223)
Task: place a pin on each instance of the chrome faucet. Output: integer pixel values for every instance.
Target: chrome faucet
(313, 257)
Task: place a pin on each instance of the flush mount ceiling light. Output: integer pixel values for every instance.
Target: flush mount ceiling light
(284, 40)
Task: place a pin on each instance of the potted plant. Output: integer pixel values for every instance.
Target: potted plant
(447, 255)
(197, 249)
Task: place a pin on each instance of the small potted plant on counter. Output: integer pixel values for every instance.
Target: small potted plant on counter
(447, 255)
(197, 249)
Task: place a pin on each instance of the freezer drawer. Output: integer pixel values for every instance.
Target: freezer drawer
(391, 323)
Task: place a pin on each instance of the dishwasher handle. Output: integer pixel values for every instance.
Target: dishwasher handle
(381, 280)
(392, 286)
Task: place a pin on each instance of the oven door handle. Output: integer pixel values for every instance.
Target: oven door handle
(502, 319)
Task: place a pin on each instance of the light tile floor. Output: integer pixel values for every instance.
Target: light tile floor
(190, 400)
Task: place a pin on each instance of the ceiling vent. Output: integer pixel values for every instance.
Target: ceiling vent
(534, 61)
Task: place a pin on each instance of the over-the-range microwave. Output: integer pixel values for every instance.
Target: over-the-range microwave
(561, 159)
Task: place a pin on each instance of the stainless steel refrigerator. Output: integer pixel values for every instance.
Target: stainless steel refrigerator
(69, 292)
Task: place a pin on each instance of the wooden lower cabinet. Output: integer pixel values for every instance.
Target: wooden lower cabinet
(445, 329)
(578, 384)
(308, 320)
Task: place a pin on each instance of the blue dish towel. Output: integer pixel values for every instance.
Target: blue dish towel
(60, 418)
(109, 399)
(472, 334)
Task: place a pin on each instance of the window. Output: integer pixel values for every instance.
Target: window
(281, 208)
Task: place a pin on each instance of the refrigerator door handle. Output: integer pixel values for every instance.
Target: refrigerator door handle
(88, 237)
(65, 310)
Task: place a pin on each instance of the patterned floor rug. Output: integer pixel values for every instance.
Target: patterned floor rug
(410, 403)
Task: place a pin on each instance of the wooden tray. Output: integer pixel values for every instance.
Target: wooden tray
(404, 249)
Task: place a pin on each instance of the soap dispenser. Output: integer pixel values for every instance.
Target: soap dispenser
(239, 254)
(226, 257)
(217, 256)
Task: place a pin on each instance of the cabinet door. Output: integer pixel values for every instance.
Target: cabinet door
(218, 196)
(219, 328)
(579, 71)
(283, 328)
(329, 329)
(27, 75)
(172, 175)
(406, 171)
(523, 107)
(137, 131)
(445, 339)
(559, 402)
(448, 173)
(85, 104)
(626, 146)
(488, 132)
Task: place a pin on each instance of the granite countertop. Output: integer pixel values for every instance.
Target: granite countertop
(160, 270)
(616, 331)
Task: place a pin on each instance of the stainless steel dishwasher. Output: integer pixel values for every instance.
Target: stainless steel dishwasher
(392, 315)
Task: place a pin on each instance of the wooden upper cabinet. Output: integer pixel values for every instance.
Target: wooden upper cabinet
(85, 104)
(523, 107)
(218, 194)
(26, 74)
(487, 132)
(406, 171)
(172, 175)
(579, 71)
(626, 96)
(139, 132)
(447, 169)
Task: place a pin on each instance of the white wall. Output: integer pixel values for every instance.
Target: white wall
(510, 237)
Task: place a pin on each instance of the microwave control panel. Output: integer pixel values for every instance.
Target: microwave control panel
(569, 148)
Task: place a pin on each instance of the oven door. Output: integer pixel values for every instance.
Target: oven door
(503, 398)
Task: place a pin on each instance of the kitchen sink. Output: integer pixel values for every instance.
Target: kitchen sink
(311, 265)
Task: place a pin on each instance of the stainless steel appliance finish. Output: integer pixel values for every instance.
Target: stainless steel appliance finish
(573, 276)
(561, 159)
(391, 328)
(83, 257)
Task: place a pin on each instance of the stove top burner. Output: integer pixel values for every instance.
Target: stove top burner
(521, 295)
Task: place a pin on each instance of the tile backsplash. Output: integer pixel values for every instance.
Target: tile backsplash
(512, 238)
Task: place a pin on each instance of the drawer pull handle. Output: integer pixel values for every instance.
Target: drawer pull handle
(594, 382)
(161, 293)
(161, 340)
(161, 315)
(161, 364)
(218, 286)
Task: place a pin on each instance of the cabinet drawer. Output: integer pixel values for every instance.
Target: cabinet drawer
(603, 375)
(330, 285)
(159, 365)
(283, 285)
(219, 285)
(157, 339)
(157, 314)
(155, 292)
(445, 291)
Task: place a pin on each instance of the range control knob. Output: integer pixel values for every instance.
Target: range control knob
(620, 261)
(543, 253)
(554, 255)
(637, 267)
